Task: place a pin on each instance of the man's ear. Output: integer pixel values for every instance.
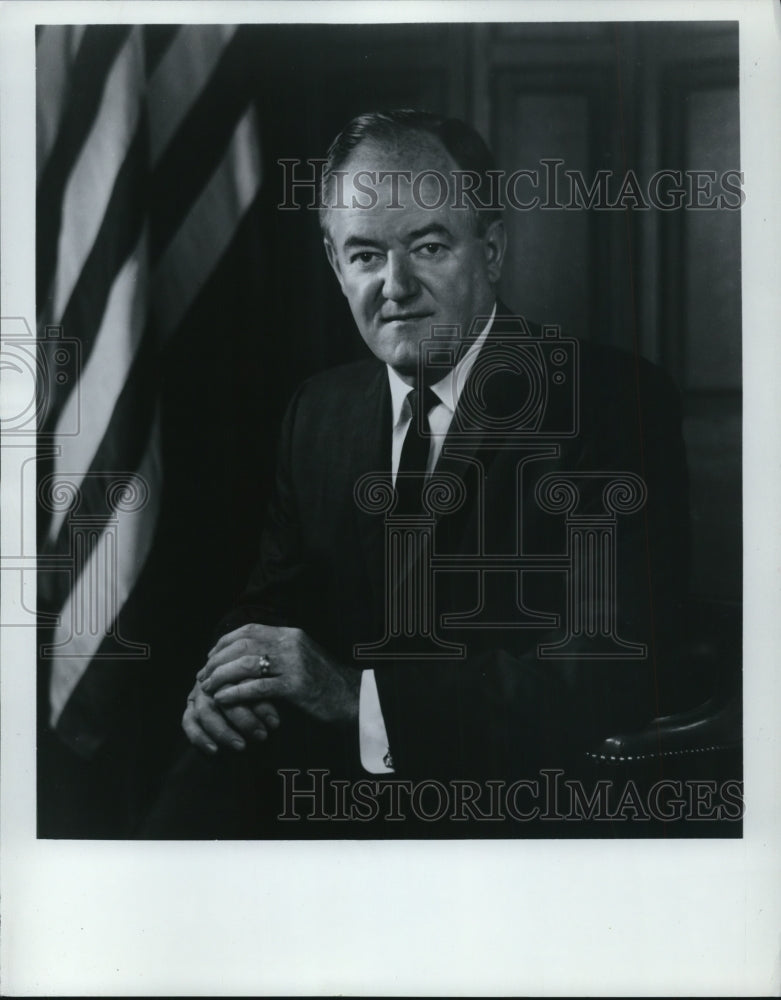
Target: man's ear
(495, 244)
(333, 260)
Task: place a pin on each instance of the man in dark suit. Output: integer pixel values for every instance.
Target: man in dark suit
(475, 553)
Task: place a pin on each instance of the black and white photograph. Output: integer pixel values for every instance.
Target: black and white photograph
(391, 426)
(379, 427)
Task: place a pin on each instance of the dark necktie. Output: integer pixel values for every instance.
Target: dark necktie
(414, 452)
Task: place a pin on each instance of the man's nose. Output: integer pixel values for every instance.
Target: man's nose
(399, 281)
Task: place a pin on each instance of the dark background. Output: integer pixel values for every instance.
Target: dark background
(641, 96)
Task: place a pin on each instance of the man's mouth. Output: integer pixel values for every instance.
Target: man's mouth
(404, 317)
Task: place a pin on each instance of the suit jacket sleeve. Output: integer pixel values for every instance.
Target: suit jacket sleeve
(278, 585)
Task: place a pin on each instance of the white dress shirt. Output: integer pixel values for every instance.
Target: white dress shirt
(371, 725)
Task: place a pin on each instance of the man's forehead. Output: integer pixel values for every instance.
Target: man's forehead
(406, 226)
(380, 224)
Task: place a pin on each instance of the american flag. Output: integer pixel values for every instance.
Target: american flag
(148, 160)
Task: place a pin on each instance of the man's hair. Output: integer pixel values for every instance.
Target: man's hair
(400, 128)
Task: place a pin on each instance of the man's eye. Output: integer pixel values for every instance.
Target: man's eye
(364, 257)
(430, 249)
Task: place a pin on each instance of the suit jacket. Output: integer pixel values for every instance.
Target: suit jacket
(537, 413)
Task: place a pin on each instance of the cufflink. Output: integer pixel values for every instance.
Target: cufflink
(388, 758)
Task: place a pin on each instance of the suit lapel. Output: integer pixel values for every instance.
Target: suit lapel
(369, 448)
(473, 440)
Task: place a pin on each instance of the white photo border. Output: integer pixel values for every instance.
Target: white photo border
(632, 917)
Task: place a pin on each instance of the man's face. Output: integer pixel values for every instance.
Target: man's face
(405, 269)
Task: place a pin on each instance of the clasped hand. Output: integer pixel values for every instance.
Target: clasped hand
(249, 670)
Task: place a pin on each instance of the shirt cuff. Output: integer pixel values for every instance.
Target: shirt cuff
(371, 728)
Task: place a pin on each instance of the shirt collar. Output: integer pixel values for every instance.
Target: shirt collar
(449, 388)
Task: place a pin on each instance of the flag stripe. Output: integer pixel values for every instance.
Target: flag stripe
(56, 46)
(206, 232)
(194, 152)
(91, 181)
(180, 76)
(105, 372)
(91, 66)
(119, 232)
(157, 38)
(119, 452)
(104, 584)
